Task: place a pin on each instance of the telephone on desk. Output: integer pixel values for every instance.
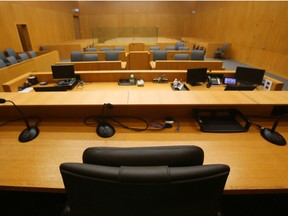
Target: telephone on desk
(214, 80)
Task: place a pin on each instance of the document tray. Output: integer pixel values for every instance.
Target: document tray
(221, 120)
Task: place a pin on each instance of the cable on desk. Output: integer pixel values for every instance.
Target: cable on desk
(116, 122)
(22, 119)
(161, 124)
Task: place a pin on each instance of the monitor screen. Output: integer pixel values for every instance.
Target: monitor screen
(249, 75)
(229, 81)
(196, 75)
(65, 71)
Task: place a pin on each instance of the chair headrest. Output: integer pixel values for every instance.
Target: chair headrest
(145, 156)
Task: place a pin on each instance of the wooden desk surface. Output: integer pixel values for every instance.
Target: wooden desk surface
(257, 166)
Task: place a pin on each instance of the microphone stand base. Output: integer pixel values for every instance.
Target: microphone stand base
(273, 136)
(28, 134)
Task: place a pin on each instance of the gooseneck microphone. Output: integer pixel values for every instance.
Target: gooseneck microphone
(30, 132)
(104, 129)
(273, 136)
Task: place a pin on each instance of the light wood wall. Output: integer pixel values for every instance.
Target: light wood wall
(170, 17)
(47, 22)
(257, 31)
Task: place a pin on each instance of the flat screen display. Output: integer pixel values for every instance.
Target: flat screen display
(196, 75)
(63, 71)
(251, 76)
(229, 81)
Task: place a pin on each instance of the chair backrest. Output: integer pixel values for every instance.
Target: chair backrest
(2, 64)
(32, 54)
(181, 56)
(197, 54)
(119, 48)
(77, 56)
(112, 55)
(224, 48)
(144, 156)
(90, 57)
(159, 55)
(11, 52)
(144, 190)
(91, 49)
(179, 44)
(104, 49)
(23, 56)
(12, 60)
(154, 48)
(183, 48)
(2, 56)
(170, 48)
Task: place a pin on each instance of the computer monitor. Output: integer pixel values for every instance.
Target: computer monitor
(63, 72)
(196, 75)
(250, 76)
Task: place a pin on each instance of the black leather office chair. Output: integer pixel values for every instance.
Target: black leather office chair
(146, 181)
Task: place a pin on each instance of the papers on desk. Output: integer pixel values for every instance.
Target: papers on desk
(26, 90)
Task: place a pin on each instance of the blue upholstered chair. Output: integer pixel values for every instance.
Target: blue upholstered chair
(23, 56)
(197, 54)
(2, 64)
(170, 48)
(32, 54)
(12, 60)
(119, 48)
(159, 55)
(112, 55)
(181, 56)
(77, 56)
(91, 57)
(220, 52)
(91, 49)
(179, 44)
(152, 48)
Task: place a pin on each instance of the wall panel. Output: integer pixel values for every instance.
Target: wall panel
(47, 22)
(257, 31)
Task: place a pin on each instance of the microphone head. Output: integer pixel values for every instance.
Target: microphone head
(2, 100)
(108, 105)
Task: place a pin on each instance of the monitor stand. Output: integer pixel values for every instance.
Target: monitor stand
(194, 83)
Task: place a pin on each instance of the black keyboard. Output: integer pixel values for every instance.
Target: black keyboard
(50, 88)
(240, 88)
